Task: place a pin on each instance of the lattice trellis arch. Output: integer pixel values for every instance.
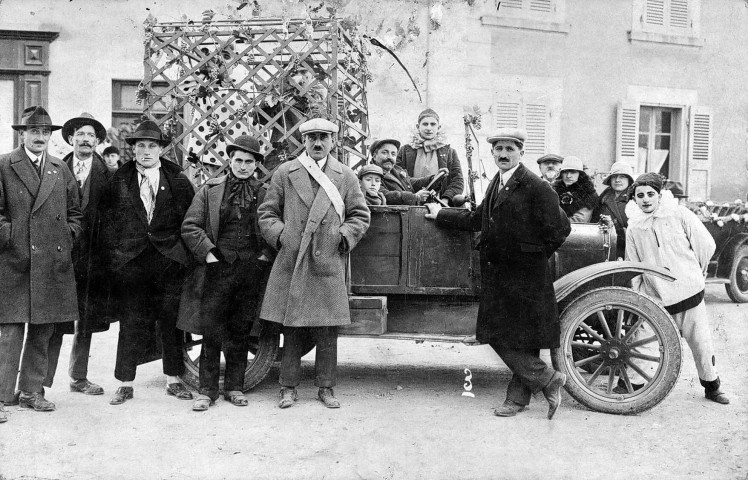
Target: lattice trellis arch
(261, 77)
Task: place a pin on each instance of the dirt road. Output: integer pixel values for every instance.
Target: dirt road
(403, 417)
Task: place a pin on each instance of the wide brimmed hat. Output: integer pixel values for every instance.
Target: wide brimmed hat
(147, 130)
(513, 134)
(69, 128)
(572, 163)
(550, 157)
(371, 168)
(35, 116)
(246, 143)
(318, 125)
(379, 142)
(620, 168)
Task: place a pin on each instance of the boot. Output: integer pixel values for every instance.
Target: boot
(713, 393)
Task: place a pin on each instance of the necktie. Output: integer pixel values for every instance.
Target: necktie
(38, 165)
(148, 196)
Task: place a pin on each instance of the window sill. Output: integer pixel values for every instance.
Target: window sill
(524, 24)
(685, 40)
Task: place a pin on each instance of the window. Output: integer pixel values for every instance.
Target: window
(672, 140)
(545, 15)
(667, 21)
(127, 113)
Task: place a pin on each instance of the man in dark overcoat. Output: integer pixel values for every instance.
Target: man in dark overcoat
(142, 212)
(221, 297)
(40, 221)
(398, 188)
(84, 133)
(314, 213)
(521, 225)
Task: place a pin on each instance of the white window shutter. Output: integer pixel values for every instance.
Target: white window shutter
(699, 153)
(536, 124)
(507, 110)
(678, 15)
(627, 134)
(654, 12)
(543, 6)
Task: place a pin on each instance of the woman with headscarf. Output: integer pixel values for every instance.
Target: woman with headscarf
(576, 192)
(669, 235)
(613, 202)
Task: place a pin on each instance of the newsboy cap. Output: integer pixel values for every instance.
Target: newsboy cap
(370, 168)
(147, 130)
(550, 157)
(33, 117)
(514, 134)
(318, 125)
(69, 128)
(377, 143)
(246, 143)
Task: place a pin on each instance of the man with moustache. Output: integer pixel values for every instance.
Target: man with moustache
(84, 133)
(142, 212)
(39, 224)
(521, 225)
(314, 213)
(398, 188)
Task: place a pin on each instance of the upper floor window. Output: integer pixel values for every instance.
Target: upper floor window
(667, 21)
(543, 15)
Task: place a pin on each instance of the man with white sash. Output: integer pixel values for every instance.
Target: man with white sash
(314, 213)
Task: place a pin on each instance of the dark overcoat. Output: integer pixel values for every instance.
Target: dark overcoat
(92, 280)
(126, 232)
(307, 286)
(399, 188)
(447, 158)
(613, 204)
(521, 226)
(200, 230)
(40, 221)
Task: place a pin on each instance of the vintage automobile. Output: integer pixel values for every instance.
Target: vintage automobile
(410, 280)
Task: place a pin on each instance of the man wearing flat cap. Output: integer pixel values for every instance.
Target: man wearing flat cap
(142, 212)
(40, 221)
(221, 231)
(398, 188)
(549, 165)
(91, 173)
(314, 214)
(521, 225)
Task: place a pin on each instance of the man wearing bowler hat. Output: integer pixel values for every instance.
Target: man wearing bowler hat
(40, 221)
(521, 225)
(84, 133)
(142, 212)
(314, 213)
(222, 232)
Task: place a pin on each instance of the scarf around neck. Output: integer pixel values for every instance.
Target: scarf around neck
(240, 191)
(426, 160)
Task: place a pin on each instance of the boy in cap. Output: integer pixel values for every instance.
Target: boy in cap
(314, 214)
(370, 178)
(428, 152)
(111, 157)
(40, 221)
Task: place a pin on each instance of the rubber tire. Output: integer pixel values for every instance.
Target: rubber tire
(265, 351)
(733, 290)
(666, 377)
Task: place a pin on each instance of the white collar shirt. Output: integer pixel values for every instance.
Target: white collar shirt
(81, 168)
(506, 176)
(153, 176)
(34, 158)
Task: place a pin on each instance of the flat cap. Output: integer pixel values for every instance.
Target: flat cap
(550, 157)
(371, 168)
(376, 143)
(318, 125)
(513, 134)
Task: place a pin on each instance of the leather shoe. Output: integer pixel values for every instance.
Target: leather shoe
(552, 392)
(122, 394)
(287, 397)
(327, 396)
(84, 386)
(508, 409)
(36, 401)
(717, 396)
(3, 413)
(178, 390)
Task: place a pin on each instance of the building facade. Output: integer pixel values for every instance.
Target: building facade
(656, 83)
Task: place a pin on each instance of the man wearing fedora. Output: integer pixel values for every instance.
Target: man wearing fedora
(521, 225)
(314, 213)
(221, 231)
(84, 133)
(40, 221)
(142, 212)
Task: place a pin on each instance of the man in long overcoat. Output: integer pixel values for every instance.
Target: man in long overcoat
(39, 224)
(314, 213)
(521, 225)
(92, 175)
(142, 212)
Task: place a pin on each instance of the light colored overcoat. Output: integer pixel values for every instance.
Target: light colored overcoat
(307, 286)
(40, 220)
